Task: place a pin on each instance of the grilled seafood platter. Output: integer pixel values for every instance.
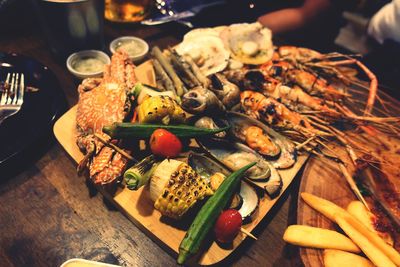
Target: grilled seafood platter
(250, 110)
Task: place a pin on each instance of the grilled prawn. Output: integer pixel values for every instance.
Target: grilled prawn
(256, 80)
(312, 84)
(275, 114)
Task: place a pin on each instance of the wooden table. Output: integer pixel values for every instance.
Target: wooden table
(49, 214)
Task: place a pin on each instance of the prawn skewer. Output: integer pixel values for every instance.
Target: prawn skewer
(257, 80)
(276, 114)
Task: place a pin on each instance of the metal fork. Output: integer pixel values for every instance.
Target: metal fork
(12, 96)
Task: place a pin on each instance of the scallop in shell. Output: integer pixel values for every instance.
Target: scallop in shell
(249, 43)
(248, 197)
(204, 32)
(206, 49)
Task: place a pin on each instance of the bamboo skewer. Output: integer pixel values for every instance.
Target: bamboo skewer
(353, 185)
(247, 233)
(111, 145)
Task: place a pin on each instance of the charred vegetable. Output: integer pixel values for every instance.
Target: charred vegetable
(162, 109)
(245, 200)
(138, 175)
(208, 214)
(142, 130)
(175, 187)
(142, 92)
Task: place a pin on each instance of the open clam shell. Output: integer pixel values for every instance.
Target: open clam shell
(282, 150)
(206, 167)
(235, 155)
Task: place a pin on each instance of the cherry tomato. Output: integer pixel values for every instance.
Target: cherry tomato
(164, 143)
(228, 225)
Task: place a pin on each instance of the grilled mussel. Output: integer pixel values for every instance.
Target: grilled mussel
(209, 123)
(236, 155)
(262, 139)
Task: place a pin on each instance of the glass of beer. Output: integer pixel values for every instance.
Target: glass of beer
(127, 10)
(71, 25)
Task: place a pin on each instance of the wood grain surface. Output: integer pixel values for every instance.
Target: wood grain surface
(324, 179)
(48, 213)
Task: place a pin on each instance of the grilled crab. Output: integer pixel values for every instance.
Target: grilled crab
(103, 101)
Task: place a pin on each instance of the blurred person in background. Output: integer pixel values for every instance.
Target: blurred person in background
(384, 59)
(311, 23)
(385, 24)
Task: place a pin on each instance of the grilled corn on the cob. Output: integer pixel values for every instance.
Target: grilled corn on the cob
(160, 109)
(175, 187)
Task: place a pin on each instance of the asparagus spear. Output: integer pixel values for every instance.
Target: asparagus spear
(156, 52)
(197, 72)
(183, 67)
(166, 81)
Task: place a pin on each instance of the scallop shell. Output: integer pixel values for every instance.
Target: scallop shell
(236, 36)
(204, 32)
(207, 50)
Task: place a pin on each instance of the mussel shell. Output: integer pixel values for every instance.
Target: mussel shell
(209, 123)
(239, 122)
(274, 185)
(287, 156)
(206, 167)
(236, 155)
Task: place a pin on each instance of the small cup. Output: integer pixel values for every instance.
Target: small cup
(87, 63)
(135, 47)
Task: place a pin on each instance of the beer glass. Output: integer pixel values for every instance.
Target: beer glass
(127, 10)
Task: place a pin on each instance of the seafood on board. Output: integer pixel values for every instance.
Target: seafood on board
(251, 108)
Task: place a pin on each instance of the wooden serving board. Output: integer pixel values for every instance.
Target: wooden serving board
(324, 179)
(138, 207)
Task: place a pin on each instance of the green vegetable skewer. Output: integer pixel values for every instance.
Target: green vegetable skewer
(141, 130)
(138, 175)
(208, 214)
